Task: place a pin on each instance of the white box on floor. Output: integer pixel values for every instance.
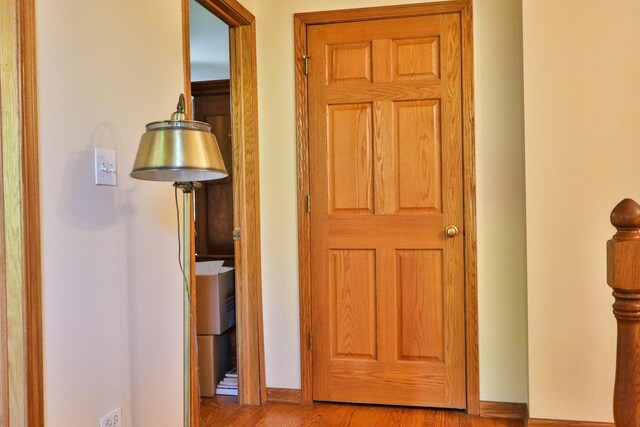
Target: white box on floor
(213, 362)
(215, 298)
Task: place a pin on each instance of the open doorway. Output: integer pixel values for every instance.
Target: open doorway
(214, 248)
(242, 248)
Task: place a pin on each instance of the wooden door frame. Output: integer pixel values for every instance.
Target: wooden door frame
(246, 194)
(301, 22)
(21, 369)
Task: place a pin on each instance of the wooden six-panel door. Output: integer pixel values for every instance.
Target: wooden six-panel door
(385, 155)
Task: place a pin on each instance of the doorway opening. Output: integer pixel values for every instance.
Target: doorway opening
(214, 248)
(239, 195)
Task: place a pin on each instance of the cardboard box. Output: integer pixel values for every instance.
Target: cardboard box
(215, 298)
(213, 362)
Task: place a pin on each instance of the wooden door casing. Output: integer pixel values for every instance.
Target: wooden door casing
(21, 360)
(461, 9)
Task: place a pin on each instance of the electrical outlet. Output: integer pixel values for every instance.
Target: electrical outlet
(112, 419)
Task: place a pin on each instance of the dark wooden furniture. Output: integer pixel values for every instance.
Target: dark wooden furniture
(623, 275)
(214, 201)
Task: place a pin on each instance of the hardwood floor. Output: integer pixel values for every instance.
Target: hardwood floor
(225, 411)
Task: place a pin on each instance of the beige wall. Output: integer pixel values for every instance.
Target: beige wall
(503, 368)
(581, 62)
(501, 200)
(112, 289)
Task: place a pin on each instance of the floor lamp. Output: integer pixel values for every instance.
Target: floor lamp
(185, 152)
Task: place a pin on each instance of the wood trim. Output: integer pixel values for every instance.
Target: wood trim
(301, 21)
(381, 12)
(536, 422)
(194, 403)
(515, 411)
(31, 216)
(20, 278)
(230, 11)
(186, 57)
(246, 194)
(284, 395)
(244, 117)
(193, 347)
(304, 249)
(470, 234)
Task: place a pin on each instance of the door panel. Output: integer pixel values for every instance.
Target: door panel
(349, 63)
(353, 307)
(420, 316)
(417, 148)
(385, 155)
(416, 59)
(350, 165)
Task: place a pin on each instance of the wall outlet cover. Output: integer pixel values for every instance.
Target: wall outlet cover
(112, 419)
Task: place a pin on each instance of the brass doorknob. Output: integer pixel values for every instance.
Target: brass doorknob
(451, 231)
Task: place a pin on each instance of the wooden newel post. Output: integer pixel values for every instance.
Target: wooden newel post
(623, 275)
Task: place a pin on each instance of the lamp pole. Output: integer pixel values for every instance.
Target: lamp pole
(187, 202)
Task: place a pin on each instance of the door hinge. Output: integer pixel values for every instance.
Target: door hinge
(308, 203)
(306, 58)
(310, 341)
(236, 234)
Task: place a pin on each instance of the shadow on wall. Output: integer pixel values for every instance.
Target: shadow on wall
(82, 204)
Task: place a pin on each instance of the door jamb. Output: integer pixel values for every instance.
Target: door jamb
(20, 274)
(246, 194)
(301, 22)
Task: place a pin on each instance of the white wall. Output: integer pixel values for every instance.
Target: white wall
(503, 368)
(208, 44)
(581, 62)
(112, 289)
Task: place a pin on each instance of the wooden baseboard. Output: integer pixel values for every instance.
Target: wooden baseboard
(536, 422)
(284, 395)
(515, 411)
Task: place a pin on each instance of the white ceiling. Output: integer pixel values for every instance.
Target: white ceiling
(209, 44)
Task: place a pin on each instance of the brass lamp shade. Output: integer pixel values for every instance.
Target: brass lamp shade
(178, 150)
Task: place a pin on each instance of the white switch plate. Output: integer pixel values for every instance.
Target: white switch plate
(105, 170)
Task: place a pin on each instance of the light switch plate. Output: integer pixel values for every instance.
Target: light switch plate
(105, 166)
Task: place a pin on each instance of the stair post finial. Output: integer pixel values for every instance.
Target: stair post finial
(625, 217)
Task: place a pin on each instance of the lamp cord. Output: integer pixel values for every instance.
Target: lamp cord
(185, 281)
(175, 197)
